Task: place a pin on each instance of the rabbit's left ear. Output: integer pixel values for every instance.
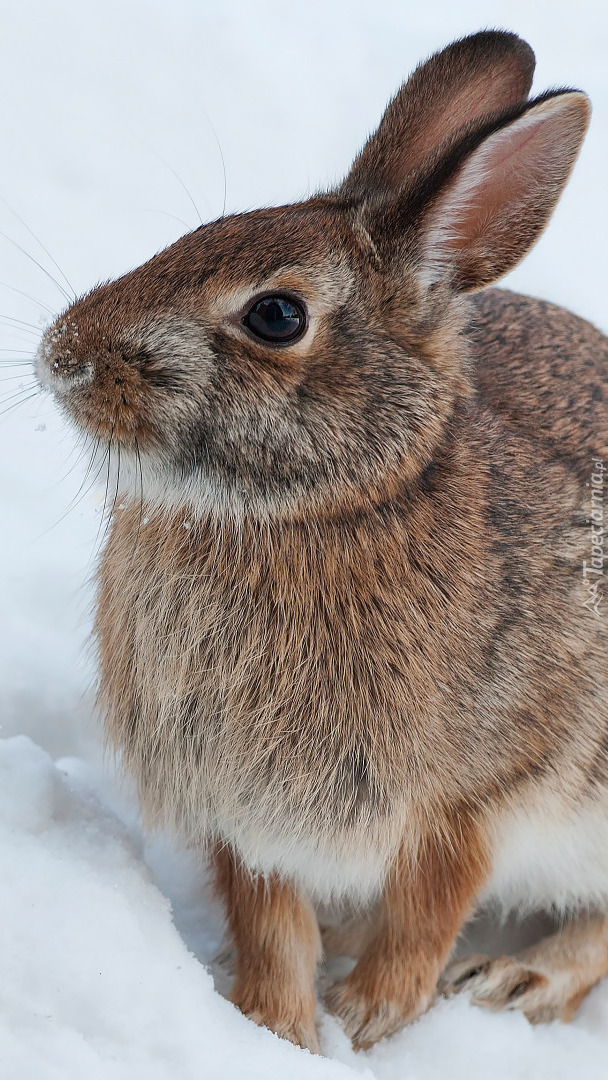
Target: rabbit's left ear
(480, 209)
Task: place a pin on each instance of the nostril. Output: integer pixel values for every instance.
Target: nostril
(64, 372)
(64, 365)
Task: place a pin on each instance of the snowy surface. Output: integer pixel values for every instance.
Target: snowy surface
(108, 935)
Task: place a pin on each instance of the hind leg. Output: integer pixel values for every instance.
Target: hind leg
(546, 982)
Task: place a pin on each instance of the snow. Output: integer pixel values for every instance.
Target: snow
(109, 935)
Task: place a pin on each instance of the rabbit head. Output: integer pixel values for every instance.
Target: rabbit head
(311, 355)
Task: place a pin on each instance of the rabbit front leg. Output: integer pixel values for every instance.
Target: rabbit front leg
(427, 897)
(278, 947)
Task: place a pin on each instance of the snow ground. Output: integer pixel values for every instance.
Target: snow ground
(105, 931)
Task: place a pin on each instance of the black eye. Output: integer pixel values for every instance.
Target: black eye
(275, 318)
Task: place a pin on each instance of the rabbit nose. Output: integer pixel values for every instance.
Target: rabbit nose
(61, 369)
(64, 365)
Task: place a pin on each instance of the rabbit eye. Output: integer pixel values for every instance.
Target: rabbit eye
(277, 319)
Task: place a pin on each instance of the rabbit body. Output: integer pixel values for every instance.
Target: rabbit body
(350, 625)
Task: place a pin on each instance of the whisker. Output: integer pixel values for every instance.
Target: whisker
(85, 480)
(38, 264)
(141, 501)
(105, 498)
(115, 500)
(23, 352)
(40, 244)
(14, 394)
(80, 448)
(22, 330)
(22, 322)
(11, 378)
(165, 213)
(179, 180)
(31, 347)
(141, 489)
(28, 296)
(14, 391)
(75, 501)
(16, 404)
(215, 136)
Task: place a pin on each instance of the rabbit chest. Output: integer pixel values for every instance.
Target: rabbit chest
(264, 693)
(313, 697)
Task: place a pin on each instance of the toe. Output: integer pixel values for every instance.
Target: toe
(506, 984)
(502, 983)
(365, 1022)
(461, 974)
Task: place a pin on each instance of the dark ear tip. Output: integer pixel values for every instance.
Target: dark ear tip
(497, 45)
(498, 41)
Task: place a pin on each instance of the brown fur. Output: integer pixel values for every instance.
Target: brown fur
(270, 924)
(469, 80)
(341, 621)
(425, 902)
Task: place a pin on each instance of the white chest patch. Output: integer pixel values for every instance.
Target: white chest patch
(545, 858)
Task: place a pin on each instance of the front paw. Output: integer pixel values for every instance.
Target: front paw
(371, 1009)
(298, 1029)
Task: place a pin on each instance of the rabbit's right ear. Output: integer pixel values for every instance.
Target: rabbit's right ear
(473, 78)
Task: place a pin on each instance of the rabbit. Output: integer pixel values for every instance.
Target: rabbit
(349, 618)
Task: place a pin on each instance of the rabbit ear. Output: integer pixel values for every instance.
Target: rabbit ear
(497, 198)
(471, 79)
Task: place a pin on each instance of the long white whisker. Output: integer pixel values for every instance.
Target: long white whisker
(20, 401)
(63, 292)
(28, 296)
(179, 180)
(40, 244)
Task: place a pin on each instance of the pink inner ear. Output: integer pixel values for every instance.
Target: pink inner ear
(497, 204)
(502, 174)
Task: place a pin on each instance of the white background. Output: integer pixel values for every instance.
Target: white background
(101, 105)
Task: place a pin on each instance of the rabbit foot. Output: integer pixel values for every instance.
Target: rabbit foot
(297, 1030)
(504, 982)
(368, 1016)
(546, 982)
